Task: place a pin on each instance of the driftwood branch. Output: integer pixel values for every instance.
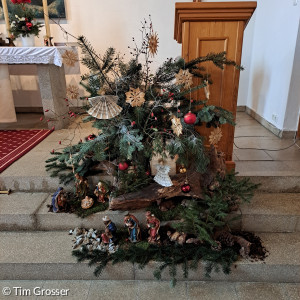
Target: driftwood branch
(155, 192)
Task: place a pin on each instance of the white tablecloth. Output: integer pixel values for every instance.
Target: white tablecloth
(30, 55)
(23, 55)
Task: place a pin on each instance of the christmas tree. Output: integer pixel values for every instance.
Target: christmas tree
(140, 116)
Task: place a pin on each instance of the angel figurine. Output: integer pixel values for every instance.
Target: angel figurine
(162, 176)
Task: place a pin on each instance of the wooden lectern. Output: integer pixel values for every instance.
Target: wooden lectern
(204, 27)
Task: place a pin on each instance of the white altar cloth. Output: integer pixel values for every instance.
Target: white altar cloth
(31, 55)
(23, 55)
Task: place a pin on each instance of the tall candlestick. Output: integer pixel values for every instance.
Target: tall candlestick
(6, 17)
(46, 16)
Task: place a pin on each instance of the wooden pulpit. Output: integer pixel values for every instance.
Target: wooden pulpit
(204, 27)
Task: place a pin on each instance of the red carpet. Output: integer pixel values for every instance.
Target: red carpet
(15, 143)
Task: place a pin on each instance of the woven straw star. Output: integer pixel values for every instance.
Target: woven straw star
(215, 136)
(185, 78)
(153, 43)
(72, 92)
(70, 58)
(135, 97)
(176, 126)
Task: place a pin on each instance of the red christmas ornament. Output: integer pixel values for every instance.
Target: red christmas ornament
(52, 151)
(185, 188)
(152, 114)
(133, 123)
(90, 137)
(148, 173)
(123, 166)
(41, 118)
(59, 142)
(190, 118)
(46, 110)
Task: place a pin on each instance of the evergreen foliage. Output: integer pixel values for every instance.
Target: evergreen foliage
(139, 133)
(169, 256)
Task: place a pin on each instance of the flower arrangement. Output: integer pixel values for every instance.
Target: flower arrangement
(23, 22)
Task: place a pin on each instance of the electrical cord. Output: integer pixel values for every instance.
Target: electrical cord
(294, 143)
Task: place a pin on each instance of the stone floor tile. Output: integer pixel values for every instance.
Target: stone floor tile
(252, 130)
(110, 290)
(17, 209)
(292, 153)
(26, 121)
(260, 291)
(292, 291)
(149, 290)
(211, 291)
(244, 154)
(265, 168)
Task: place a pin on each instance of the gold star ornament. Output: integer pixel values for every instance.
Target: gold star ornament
(153, 43)
(135, 97)
(215, 136)
(184, 78)
(70, 58)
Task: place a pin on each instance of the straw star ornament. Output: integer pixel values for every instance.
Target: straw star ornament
(185, 78)
(135, 97)
(70, 58)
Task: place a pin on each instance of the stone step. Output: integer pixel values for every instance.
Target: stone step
(28, 211)
(47, 256)
(149, 290)
(42, 182)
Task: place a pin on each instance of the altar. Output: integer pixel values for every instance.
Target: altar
(51, 79)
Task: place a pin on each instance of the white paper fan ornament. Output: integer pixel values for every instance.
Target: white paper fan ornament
(162, 176)
(104, 107)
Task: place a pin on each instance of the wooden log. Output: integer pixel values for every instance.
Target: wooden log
(146, 196)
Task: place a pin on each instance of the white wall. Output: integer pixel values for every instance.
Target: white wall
(273, 51)
(293, 105)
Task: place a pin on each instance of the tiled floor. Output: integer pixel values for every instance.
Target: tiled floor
(257, 151)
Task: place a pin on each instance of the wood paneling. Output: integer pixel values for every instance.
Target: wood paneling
(215, 27)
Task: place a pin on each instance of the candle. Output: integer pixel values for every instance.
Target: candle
(46, 16)
(6, 17)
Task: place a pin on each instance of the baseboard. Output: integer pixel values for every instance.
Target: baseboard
(284, 134)
(241, 108)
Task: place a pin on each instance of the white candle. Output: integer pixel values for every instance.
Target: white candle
(6, 17)
(46, 16)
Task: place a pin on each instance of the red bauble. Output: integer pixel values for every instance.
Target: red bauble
(123, 166)
(190, 118)
(90, 137)
(186, 188)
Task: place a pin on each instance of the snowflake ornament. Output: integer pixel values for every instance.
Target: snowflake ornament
(70, 58)
(135, 97)
(153, 44)
(176, 126)
(72, 92)
(215, 136)
(185, 78)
